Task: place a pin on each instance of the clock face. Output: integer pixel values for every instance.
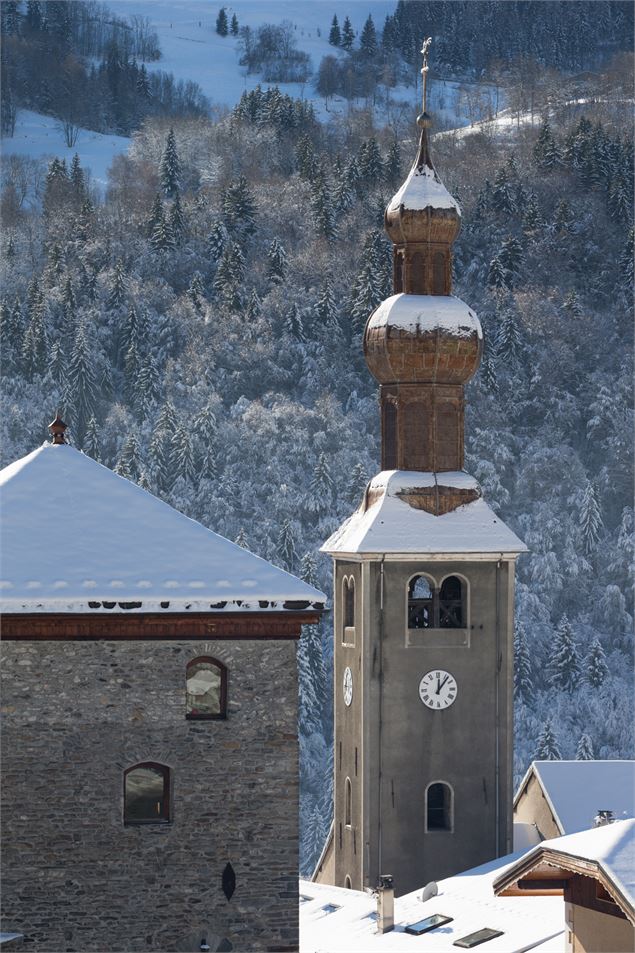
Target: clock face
(348, 686)
(437, 689)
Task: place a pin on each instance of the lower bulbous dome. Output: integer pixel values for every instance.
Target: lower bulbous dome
(434, 339)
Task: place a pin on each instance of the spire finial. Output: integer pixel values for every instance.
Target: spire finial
(57, 428)
(424, 71)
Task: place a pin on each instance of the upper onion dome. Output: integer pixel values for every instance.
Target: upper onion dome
(434, 339)
(423, 210)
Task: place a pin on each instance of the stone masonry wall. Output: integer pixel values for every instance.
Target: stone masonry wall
(75, 715)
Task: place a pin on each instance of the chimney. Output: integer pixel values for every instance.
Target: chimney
(385, 904)
(602, 818)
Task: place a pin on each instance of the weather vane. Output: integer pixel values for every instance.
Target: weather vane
(424, 69)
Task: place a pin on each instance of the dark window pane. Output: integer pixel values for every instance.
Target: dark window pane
(420, 603)
(203, 688)
(439, 808)
(145, 798)
(349, 605)
(451, 609)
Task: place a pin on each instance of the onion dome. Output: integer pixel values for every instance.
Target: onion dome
(423, 210)
(423, 338)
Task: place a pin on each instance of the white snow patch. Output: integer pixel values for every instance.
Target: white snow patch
(390, 525)
(422, 314)
(109, 534)
(423, 189)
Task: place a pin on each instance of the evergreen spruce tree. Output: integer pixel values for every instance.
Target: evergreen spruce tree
(86, 220)
(170, 167)
(590, 519)
(547, 746)
(35, 349)
(131, 369)
(157, 215)
(619, 203)
(502, 196)
(368, 39)
(571, 304)
(129, 463)
(305, 159)
(234, 25)
(161, 448)
(563, 219)
(196, 292)
(546, 155)
(322, 211)
(595, 667)
(321, 487)
(497, 276)
(217, 240)
(584, 751)
(626, 263)
(564, 666)
(308, 570)
(57, 365)
(276, 262)
(80, 382)
(286, 546)
(222, 27)
(254, 306)
(183, 453)
(241, 539)
(488, 371)
(117, 294)
(239, 207)
(162, 238)
(293, 322)
(392, 167)
(509, 342)
(229, 274)
(356, 484)
(78, 182)
(343, 194)
(335, 37)
(523, 682)
(348, 35)
(371, 166)
(531, 214)
(147, 387)
(326, 311)
(511, 257)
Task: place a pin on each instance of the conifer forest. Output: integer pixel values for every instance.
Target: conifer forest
(199, 321)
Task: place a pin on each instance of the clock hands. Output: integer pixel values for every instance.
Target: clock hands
(440, 686)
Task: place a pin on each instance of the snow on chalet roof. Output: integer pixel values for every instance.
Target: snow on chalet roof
(577, 790)
(526, 922)
(423, 189)
(390, 525)
(76, 537)
(611, 847)
(425, 313)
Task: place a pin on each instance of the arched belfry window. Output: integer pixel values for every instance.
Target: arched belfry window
(146, 794)
(452, 604)
(206, 688)
(433, 608)
(348, 814)
(420, 603)
(348, 593)
(439, 807)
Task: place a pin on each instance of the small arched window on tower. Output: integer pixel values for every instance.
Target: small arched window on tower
(420, 603)
(348, 812)
(438, 277)
(439, 807)
(205, 689)
(452, 603)
(146, 794)
(348, 591)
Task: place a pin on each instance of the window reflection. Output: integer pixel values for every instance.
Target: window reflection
(146, 794)
(205, 689)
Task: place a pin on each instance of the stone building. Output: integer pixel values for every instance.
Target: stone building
(424, 591)
(149, 697)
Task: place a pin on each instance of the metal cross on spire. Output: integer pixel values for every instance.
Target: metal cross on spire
(424, 69)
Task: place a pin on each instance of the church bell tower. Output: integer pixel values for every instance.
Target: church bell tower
(423, 589)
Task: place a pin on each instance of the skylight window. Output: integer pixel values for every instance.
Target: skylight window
(304, 898)
(330, 907)
(430, 923)
(475, 939)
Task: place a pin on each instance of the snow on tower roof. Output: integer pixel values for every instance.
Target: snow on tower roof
(468, 898)
(390, 525)
(76, 537)
(426, 313)
(423, 189)
(577, 790)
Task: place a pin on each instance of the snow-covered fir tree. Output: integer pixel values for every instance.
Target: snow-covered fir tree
(584, 750)
(170, 167)
(595, 667)
(564, 664)
(547, 745)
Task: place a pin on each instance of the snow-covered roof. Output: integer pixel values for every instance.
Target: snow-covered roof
(390, 525)
(421, 314)
(577, 790)
(75, 535)
(610, 848)
(423, 189)
(526, 922)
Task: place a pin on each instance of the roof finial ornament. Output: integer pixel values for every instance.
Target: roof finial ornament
(57, 428)
(424, 120)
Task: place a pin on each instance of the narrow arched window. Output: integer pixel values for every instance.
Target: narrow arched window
(348, 633)
(347, 882)
(206, 688)
(451, 604)
(349, 803)
(420, 603)
(438, 268)
(439, 807)
(146, 794)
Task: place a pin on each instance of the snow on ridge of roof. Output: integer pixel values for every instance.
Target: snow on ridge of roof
(577, 790)
(76, 535)
(611, 847)
(468, 898)
(422, 314)
(390, 525)
(423, 189)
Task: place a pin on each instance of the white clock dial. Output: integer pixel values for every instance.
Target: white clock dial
(438, 689)
(348, 686)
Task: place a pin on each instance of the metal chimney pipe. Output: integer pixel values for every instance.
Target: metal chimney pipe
(385, 904)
